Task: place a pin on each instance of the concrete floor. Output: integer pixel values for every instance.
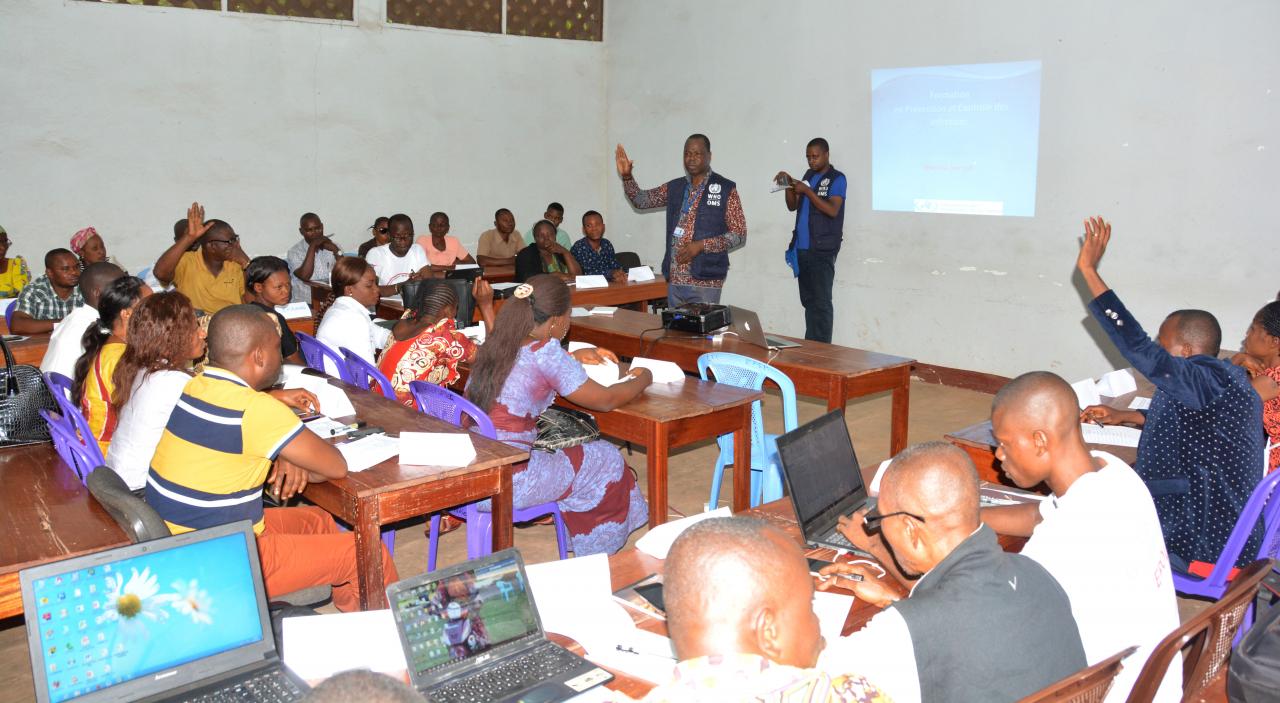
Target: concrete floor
(935, 410)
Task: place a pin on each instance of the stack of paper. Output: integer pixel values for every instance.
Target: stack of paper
(605, 374)
(318, 646)
(603, 310)
(1117, 383)
(464, 267)
(367, 452)
(1086, 393)
(586, 282)
(327, 427)
(640, 274)
(579, 312)
(1140, 403)
(663, 371)
(1115, 435)
(333, 401)
(437, 448)
(657, 541)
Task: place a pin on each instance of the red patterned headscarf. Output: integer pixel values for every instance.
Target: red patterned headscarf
(79, 238)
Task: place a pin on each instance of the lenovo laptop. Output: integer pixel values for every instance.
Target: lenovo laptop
(746, 325)
(471, 632)
(823, 478)
(175, 619)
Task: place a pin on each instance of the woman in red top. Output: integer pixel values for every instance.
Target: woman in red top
(1261, 358)
(428, 345)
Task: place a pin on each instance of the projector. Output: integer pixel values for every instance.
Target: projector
(698, 318)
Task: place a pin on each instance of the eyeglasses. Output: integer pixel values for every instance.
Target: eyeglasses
(874, 517)
(234, 238)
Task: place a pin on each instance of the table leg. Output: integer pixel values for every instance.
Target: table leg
(898, 422)
(503, 529)
(836, 394)
(369, 556)
(658, 450)
(742, 462)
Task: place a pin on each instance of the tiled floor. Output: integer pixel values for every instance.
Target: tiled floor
(935, 410)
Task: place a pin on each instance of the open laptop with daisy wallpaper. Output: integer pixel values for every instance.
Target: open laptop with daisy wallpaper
(175, 619)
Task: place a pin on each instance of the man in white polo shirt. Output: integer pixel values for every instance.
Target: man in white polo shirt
(1098, 534)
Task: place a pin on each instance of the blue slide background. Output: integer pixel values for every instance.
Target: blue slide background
(963, 133)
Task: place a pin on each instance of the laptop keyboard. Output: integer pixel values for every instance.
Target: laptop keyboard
(837, 538)
(268, 687)
(546, 662)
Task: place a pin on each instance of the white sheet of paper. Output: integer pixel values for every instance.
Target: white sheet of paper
(649, 656)
(586, 282)
(1117, 383)
(640, 274)
(327, 427)
(503, 286)
(874, 488)
(369, 451)
(464, 267)
(437, 448)
(1086, 393)
(603, 310)
(575, 346)
(1140, 403)
(663, 371)
(294, 311)
(831, 609)
(333, 401)
(318, 646)
(605, 374)
(1114, 435)
(657, 541)
(579, 312)
(575, 600)
(476, 332)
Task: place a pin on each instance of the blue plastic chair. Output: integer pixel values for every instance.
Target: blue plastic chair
(440, 402)
(8, 315)
(743, 372)
(364, 375)
(316, 352)
(73, 421)
(83, 457)
(1263, 503)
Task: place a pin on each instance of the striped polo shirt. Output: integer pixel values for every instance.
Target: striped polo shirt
(216, 450)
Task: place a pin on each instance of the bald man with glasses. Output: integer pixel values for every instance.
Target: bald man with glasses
(963, 620)
(211, 275)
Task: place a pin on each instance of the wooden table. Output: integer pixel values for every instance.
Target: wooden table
(46, 515)
(391, 492)
(670, 415)
(30, 350)
(818, 370)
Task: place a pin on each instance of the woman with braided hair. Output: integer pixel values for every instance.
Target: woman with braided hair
(429, 346)
(516, 377)
(1261, 358)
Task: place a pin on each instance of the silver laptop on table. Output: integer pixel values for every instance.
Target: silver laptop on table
(746, 324)
(182, 618)
(471, 632)
(823, 478)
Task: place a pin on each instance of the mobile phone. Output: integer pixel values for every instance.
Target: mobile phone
(817, 565)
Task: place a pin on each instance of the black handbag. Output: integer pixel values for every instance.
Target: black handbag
(561, 428)
(25, 394)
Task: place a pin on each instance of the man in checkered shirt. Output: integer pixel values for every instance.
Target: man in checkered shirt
(49, 298)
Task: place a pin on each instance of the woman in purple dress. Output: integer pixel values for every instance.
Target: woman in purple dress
(516, 376)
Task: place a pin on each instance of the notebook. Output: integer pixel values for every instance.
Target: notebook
(746, 325)
(166, 620)
(823, 478)
(472, 632)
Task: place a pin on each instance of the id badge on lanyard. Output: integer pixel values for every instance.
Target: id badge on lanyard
(689, 200)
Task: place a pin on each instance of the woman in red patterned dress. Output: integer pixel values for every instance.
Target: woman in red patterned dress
(429, 346)
(1261, 358)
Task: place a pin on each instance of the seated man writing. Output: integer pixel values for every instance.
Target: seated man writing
(739, 603)
(1098, 534)
(49, 298)
(218, 447)
(1202, 437)
(980, 624)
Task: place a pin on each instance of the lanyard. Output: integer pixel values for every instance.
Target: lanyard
(691, 198)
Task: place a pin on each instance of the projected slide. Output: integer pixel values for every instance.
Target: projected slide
(956, 139)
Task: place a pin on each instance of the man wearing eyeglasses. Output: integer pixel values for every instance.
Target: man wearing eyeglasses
(977, 624)
(212, 276)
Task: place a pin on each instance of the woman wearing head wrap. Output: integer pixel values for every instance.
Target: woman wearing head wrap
(13, 271)
(429, 346)
(87, 244)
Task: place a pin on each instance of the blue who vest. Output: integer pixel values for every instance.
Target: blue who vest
(825, 233)
(709, 222)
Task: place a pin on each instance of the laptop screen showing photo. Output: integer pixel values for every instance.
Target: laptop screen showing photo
(460, 616)
(109, 623)
(821, 468)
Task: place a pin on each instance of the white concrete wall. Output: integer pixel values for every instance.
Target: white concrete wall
(120, 116)
(1159, 115)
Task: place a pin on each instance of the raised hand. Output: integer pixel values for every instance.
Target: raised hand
(482, 292)
(1097, 232)
(624, 164)
(196, 226)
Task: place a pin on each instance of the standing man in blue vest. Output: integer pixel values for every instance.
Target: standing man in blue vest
(704, 221)
(818, 202)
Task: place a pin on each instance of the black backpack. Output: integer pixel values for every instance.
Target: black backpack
(1254, 673)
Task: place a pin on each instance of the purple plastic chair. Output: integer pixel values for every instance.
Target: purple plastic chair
(1264, 503)
(363, 374)
(316, 352)
(75, 425)
(82, 457)
(442, 403)
(8, 315)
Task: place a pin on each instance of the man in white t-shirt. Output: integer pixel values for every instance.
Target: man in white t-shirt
(65, 346)
(399, 260)
(1098, 533)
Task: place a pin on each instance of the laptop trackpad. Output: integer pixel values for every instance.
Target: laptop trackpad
(544, 693)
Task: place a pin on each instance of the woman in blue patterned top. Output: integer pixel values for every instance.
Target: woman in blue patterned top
(595, 253)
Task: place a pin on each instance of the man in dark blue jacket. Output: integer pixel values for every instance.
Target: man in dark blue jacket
(818, 202)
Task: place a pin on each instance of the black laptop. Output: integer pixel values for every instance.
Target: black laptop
(471, 632)
(823, 478)
(182, 618)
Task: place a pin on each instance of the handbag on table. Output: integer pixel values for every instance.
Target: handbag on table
(25, 394)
